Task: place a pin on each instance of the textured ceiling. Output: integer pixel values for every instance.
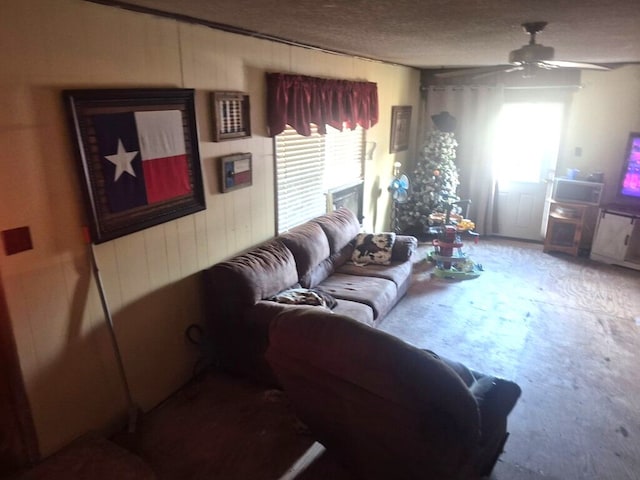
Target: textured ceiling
(428, 33)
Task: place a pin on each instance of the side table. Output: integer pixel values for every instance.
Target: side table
(564, 227)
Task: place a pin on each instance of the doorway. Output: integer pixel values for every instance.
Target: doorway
(525, 153)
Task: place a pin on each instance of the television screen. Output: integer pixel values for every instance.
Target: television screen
(630, 178)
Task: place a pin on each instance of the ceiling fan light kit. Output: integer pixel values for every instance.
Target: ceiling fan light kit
(531, 53)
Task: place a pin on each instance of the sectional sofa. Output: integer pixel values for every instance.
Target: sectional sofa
(300, 312)
(311, 263)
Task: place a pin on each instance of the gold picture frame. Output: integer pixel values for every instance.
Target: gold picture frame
(400, 128)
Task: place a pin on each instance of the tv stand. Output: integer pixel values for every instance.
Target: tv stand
(622, 208)
(617, 238)
(565, 227)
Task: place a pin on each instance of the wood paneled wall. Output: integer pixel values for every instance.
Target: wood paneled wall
(151, 278)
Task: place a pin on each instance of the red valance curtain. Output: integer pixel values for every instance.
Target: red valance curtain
(299, 100)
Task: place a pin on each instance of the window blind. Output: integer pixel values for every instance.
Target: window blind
(308, 166)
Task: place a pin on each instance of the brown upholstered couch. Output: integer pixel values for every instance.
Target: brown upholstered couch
(315, 255)
(386, 409)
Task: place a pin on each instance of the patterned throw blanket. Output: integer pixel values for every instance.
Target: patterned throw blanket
(304, 296)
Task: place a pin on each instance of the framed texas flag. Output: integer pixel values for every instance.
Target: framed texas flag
(138, 157)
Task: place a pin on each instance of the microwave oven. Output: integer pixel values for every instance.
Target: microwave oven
(577, 191)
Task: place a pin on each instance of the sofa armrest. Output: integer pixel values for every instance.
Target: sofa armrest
(403, 248)
(496, 397)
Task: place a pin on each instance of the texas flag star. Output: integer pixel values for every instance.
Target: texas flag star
(150, 146)
(122, 160)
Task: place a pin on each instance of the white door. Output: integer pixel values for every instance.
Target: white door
(520, 209)
(525, 151)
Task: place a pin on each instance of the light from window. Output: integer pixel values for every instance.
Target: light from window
(527, 141)
(307, 167)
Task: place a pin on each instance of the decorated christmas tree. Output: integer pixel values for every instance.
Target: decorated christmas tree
(435, 179)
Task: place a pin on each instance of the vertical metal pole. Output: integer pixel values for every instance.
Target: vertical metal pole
(132, 408)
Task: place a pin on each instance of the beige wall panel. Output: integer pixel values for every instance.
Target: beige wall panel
(87, 320)
(78, 42)
(202, 251)
(150, 277)
(155, 247)
(106, 259)
(263, 174)
(47, 312)
(131, 264)
(65, 392)
(228, 201)
(279, 57)
(217, 248)
(187, 245)
(202, 60)
(242, 216)
(171, 238)
(18, 312)
(209, 165)
(21, 176)
(151, 333)
(602, 136)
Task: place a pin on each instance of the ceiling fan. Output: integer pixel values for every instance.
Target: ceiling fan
(527, 59)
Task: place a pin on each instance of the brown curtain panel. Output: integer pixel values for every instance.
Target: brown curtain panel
(299, 101)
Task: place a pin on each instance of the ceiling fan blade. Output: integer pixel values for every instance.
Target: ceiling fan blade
(472, 71)
(529, 59)
(507, 69)
(583, 66)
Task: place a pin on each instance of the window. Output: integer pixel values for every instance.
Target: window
(307, 167)
(527, 142)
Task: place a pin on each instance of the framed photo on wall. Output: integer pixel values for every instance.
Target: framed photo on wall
(235, 171)
(138, 155)
(231, 115)
(400, 125)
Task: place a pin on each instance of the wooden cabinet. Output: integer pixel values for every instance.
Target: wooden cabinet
(565, 227)
(617, 238)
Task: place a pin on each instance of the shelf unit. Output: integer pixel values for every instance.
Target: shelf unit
(617, 238)
(565, 227)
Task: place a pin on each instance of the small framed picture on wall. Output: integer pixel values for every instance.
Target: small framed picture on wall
(235, 172)
(231, 116)
(400, 125)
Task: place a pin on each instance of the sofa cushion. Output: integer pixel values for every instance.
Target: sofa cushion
(396, 272)
(359, 312)
(380, 294)
(309, 246)
(373, 248)
(260, 273)
(340, 227)
(325, 268)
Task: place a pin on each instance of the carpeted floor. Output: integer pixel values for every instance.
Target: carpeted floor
(566, 329)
